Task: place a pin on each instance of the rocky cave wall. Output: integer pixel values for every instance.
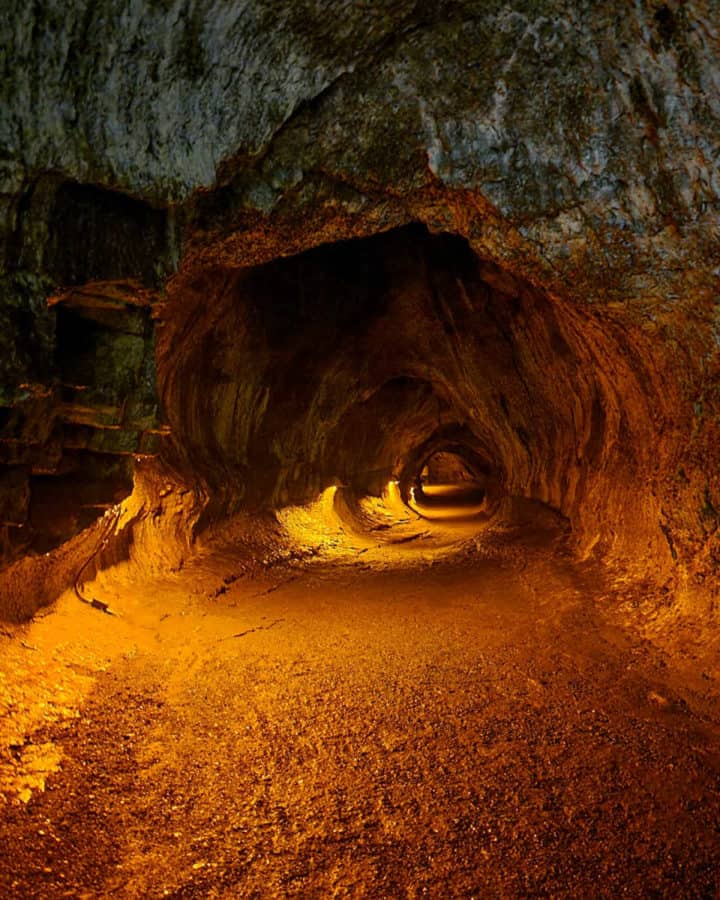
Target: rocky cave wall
(529, 194)
(78, 400)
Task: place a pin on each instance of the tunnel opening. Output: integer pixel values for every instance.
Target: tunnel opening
(447, 467)
(356, 362)
(449, 486)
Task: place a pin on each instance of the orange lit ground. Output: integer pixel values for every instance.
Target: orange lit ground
(439, 716)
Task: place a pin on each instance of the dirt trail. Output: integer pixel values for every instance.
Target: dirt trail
(351, 727)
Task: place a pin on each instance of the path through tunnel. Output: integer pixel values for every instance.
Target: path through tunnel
(355, 632)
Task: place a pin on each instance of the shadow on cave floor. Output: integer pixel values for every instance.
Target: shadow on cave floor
(444, 723)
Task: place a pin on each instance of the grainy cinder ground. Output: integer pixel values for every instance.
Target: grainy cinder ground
(464, 726)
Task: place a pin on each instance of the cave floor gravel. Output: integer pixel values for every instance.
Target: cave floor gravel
(357, 726)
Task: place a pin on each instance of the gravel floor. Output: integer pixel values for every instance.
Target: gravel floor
(465, 728)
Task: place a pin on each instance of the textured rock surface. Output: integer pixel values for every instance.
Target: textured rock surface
(573, 145)
(77, 367)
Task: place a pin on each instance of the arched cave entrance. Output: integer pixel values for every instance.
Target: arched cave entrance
(352, 363)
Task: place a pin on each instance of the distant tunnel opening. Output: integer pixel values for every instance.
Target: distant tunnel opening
(449, 484)
(447, 467)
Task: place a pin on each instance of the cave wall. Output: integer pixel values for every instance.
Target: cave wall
(78, 398)
(574, 146)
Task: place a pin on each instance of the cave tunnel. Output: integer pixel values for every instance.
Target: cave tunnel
(359, 451)
(356, 363)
